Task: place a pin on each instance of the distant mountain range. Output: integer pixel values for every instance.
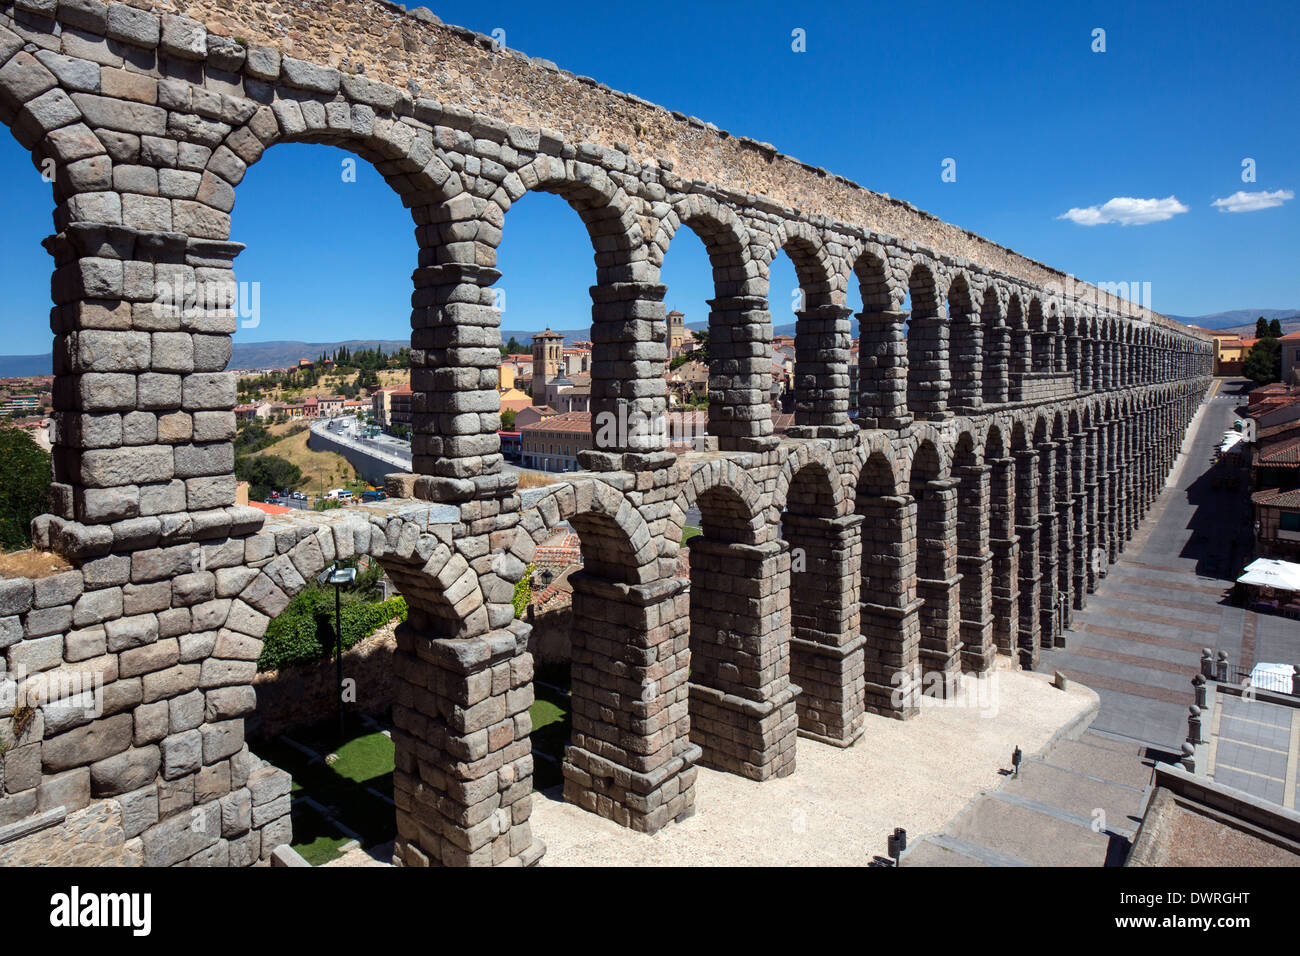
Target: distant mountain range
(254, 355)
(1235, 318)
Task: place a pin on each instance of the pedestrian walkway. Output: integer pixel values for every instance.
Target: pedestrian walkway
(1078, 805)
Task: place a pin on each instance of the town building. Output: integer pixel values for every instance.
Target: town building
(1290, 346)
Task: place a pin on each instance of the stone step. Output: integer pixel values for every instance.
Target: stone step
(1116, 766)
(1110, 742)
(1027, 831)
(1079, 793)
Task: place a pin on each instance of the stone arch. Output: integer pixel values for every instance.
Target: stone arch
(739, 417)
(807, 458)
(882, 345)
(822, 339)
(927, 343)
(825, 579)
(973, 554)
(726, 240)
(619, 537)
(812, 263)
(733, 494)
(967, 344)
(889, 610)
(935, 495)
(996, 339)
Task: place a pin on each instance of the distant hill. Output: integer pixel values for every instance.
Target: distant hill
(283, 354)
(1238, 319)
(26, 366)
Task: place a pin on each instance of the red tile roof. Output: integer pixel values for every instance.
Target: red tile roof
(1289, 498)
(1285, 453)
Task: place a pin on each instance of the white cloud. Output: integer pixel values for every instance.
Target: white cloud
(1126, 211)
(1242, 201)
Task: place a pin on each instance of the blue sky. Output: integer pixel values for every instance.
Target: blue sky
(1047, 136)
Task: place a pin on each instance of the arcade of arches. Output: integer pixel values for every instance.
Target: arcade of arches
(1010, 434)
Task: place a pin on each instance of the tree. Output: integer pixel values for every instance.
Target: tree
(1261, 328)
(1275, 329)
(1264, 363)
(24, 486)
(267, 473)
(508, 420)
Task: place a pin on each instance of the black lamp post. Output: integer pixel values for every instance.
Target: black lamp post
(338, 577)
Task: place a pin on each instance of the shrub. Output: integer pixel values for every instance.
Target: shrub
(523, 592)
(304, 633)
(24, 486)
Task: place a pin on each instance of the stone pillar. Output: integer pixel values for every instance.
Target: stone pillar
(1095, 497)
(1044, 351)
(630, 758)
(826, 642)
(1114, 497)
(975, 565)
(455, 409)
(1022, 351)
(742, 702)
(1074, 360)
(967, 361)
(882, 370)
(937, 584)
(1005, 547)
(890, 618)
(927, 357)
(462, 781)
(628, 354)
(1065, 530)
(1027, 518)
(740, 373)
(1129, 474)
(1081, 521)
(143, 417)
(821, 373)
(997, 356)
(1048, 532)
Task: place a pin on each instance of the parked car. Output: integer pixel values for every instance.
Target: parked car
(373, 496)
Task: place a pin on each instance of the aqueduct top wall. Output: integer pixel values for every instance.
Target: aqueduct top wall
(415, 51)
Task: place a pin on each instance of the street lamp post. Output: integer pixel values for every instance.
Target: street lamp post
(338, 577)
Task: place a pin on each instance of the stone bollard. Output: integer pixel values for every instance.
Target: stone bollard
(1189, 758)
(1207, 662)
(1221, 667)
(1198, 689)
(1194, 725)
(1060, 681)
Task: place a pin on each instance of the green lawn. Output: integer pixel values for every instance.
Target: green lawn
(364, 761)
(689, 532)
(551, 730)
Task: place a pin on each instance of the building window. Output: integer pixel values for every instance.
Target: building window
(1289, 521)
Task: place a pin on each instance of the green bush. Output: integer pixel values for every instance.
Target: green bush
(24, 486)
(304, 633)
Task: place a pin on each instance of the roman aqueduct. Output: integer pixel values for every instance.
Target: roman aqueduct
(1011, 430)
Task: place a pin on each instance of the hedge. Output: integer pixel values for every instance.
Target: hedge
(304, 633)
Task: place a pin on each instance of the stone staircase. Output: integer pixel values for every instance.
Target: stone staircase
(1079, 804)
